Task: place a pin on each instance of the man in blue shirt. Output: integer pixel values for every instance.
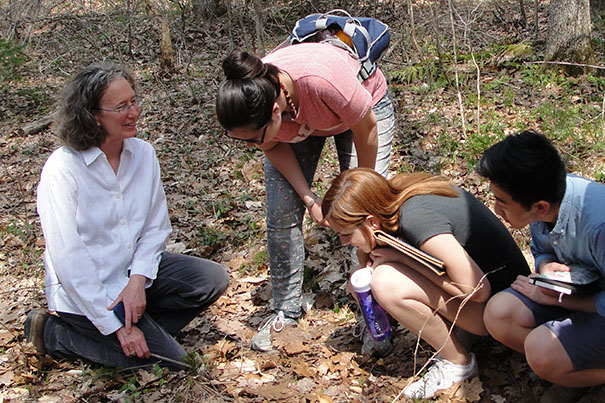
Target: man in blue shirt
(561, 337)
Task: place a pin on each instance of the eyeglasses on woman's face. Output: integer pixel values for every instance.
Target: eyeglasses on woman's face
(254, 140)
(125, 108)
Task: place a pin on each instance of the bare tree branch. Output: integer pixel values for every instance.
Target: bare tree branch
(459, 94)
(569, 64)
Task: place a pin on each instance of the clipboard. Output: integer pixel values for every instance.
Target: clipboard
(430, 262)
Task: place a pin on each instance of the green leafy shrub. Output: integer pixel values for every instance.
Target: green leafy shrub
(11, 58)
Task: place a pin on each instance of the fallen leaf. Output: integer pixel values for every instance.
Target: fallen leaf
(290, 340)
(305, 386)
(6, 378)
(6, 337)
(301, 368)
(470, 390)
(324, 299)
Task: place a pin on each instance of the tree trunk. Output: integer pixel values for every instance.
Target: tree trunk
(569, 32)
(206, 10)
(166, 50)
(597, 5)
(258, 19)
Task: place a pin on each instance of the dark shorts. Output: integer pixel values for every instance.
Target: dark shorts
(580, 333)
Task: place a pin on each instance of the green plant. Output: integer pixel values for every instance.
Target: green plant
(130, 388)
(11, 58)
(245, 229)
(310, 281)
(210, 236)
(448, 145)
(477, 143)
(534, 74)
(159, 372)
(221, 207)
(196, 362)
(259, 259)
(597, 81)
(599, 175)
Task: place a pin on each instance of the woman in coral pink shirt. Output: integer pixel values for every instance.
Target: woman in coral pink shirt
(287, 104)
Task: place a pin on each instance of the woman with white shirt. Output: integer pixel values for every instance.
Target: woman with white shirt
(105, 221)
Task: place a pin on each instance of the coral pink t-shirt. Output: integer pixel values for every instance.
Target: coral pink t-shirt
(331, 98)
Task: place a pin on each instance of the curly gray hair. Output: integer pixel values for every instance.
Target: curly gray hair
(76, 123)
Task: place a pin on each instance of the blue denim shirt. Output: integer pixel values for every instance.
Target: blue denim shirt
(578, 236)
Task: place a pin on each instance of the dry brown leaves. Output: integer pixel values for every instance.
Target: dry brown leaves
(216, 200)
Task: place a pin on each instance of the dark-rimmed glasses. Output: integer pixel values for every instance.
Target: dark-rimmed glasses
(124, 109)
(252, 140)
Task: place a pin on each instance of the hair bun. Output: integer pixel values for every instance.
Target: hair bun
(241, 65)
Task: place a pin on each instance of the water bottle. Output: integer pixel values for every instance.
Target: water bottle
(374, 315)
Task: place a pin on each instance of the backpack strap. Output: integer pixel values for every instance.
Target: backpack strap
(321, 23)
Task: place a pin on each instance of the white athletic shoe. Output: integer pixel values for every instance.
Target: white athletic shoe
(441, 375)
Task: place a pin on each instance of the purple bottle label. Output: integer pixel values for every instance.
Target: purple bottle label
(375, 317)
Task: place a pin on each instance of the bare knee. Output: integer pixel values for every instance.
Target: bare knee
(501, 312)
(384, 289)
(546, 356)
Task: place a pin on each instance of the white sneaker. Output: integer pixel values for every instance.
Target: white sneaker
(441, 375)
(276, 322)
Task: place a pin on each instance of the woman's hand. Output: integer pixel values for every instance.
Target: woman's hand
(133, 342)
(379, 256)
(315, 212)
(134, 299)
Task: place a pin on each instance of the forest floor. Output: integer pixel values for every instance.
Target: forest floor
(215, 196)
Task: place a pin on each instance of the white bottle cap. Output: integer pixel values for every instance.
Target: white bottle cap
(360, 280)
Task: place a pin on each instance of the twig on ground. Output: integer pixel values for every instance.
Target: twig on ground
(569, 64)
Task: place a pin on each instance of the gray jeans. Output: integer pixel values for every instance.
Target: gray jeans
(285, 210)
(184, 287)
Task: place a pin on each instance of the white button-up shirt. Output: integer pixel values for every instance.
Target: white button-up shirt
(100, 227)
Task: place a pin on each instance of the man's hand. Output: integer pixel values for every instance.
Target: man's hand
(134, 299)
(552, 267)
(133, 342)
(536, 293)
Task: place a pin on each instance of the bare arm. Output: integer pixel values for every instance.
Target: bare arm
(365, 138)
(462, 270)
(463, 275)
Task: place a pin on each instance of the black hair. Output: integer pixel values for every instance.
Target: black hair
(527, 166)
(246, 97)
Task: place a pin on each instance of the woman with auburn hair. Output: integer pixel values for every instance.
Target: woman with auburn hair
(480, 257)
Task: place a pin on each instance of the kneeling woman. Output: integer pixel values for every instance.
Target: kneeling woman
(105, 221)
(480, 256)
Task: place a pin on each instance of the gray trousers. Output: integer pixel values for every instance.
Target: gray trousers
(184, 287)
(285, 209)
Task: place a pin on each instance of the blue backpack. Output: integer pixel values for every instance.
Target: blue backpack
(367, 39)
